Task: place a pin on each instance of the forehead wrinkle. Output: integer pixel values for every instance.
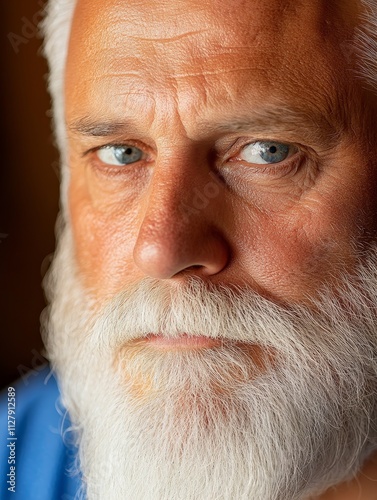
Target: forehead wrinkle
(184, 55)
(158, 26)
(162, 67)
(213, 37)
(171, 39)
(222, 71)
(181, 66)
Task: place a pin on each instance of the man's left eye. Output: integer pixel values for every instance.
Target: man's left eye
(119, 155)
(266, 152)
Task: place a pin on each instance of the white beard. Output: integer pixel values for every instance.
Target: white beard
(210, 424)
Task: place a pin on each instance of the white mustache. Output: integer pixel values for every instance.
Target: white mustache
(232, 313)
(195, 308)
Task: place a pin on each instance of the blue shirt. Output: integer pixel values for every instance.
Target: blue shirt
(35, 455)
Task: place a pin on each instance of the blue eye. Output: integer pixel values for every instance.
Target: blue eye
(119, 155)
(266, 152)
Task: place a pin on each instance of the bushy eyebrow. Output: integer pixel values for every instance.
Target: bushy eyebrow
(280, 120)
(95, 128)
(269, 122)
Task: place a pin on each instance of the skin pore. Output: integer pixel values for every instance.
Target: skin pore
(187, 86)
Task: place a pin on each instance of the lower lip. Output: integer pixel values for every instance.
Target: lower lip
(184, 341)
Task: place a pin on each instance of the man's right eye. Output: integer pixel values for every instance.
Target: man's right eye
(119, 155)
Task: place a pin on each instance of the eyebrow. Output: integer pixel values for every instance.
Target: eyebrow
(93, 128)
(277, 120)
(313, 127)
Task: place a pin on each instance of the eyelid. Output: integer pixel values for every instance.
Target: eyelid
(119, 144)
(243, 142)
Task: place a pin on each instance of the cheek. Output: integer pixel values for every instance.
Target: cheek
(290, 253)
(104, 239)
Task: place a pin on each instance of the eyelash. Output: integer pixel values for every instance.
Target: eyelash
(112, 145)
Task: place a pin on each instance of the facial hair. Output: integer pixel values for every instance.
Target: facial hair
(282, 409)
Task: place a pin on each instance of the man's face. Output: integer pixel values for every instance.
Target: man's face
(222, 174)
(237, 144)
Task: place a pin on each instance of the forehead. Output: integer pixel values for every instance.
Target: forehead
(163, 20)
(206, 51)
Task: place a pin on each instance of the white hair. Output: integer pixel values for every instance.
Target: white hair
(366, 44)
(56, 28)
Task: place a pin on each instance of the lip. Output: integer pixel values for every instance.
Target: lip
(184, 341)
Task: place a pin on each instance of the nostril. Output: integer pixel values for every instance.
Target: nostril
(188, 270)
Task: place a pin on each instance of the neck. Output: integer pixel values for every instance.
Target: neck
(363, 487)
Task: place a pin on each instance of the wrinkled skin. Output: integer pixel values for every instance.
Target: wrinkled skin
(190, 83)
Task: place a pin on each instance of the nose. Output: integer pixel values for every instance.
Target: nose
(179, 233)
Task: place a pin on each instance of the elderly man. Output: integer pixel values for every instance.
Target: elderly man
(213, 321)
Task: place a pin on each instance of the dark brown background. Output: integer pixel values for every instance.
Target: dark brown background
(28, 188)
